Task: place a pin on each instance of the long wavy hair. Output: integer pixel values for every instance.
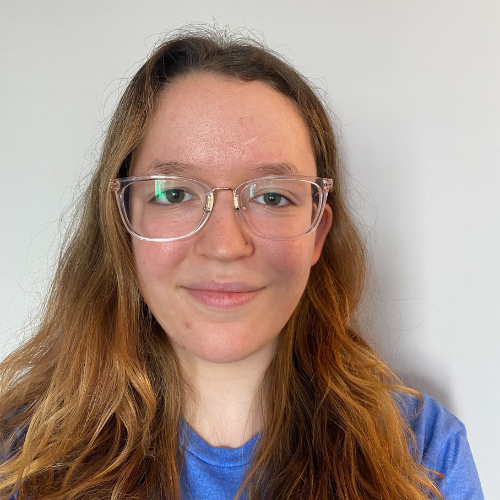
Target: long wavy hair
(90, 406)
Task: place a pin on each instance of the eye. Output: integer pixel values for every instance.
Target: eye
(171, 196)
(272, 199)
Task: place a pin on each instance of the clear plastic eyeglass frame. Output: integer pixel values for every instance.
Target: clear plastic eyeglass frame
(118, 186)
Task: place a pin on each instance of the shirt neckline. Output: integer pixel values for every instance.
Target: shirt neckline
(217, 456)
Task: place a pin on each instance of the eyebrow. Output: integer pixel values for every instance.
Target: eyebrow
(168, 168)
(277, 169)
(179, 168)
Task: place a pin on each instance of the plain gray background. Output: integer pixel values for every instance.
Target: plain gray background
(415, 86)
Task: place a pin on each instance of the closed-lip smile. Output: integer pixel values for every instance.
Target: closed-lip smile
(222, 295)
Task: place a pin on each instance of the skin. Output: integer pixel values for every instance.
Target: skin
(223, 130)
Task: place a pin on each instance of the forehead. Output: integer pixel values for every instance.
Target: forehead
(221, 129)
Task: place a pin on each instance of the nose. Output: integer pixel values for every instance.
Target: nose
(224, 237)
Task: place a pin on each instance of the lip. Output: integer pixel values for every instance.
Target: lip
(228, 295)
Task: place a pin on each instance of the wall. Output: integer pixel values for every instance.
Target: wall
(415, 89)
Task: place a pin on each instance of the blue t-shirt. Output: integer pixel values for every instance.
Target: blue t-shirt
(217, 473)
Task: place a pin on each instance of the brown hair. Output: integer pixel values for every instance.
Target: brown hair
(90, 405)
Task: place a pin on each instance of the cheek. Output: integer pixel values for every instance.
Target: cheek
(290, 261)
(155, 261)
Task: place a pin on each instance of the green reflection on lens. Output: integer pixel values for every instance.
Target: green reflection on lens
(157, 189)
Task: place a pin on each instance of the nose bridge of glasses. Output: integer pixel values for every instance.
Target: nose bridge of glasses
(211, 195)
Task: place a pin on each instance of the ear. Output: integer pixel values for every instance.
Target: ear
(321, 232)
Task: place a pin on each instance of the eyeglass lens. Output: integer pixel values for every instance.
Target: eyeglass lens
(173, 208)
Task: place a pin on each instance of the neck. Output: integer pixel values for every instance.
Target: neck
(223, 401)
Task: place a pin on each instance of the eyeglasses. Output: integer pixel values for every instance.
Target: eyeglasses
(165, 208)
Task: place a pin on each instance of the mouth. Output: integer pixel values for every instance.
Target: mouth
(223, 295)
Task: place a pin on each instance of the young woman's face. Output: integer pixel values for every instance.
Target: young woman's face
(224, 294)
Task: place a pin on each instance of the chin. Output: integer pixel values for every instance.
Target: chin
(229, 350)
(227, 354)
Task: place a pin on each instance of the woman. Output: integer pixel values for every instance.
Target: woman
(199, 340)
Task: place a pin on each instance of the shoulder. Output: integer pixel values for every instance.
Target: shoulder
(432, 424)
(442, 446)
